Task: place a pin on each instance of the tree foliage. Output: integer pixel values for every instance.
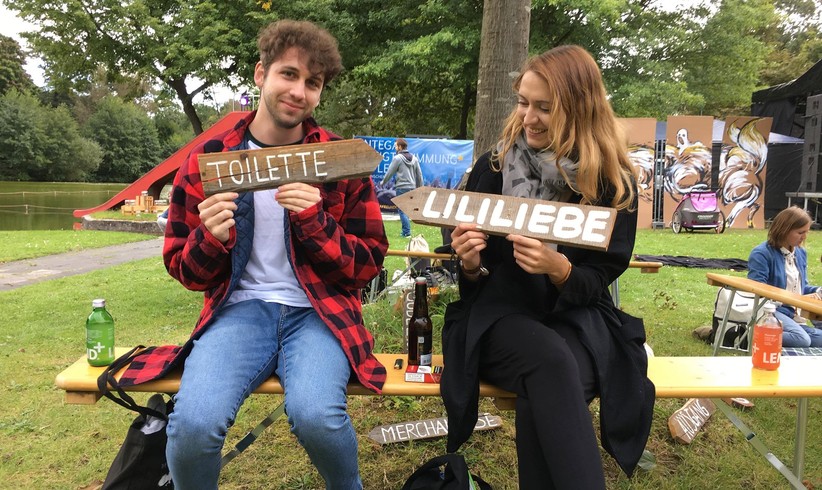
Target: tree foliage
(127, 138)
(42, 143)
(12, 73)
(412, 68)
(187, 46)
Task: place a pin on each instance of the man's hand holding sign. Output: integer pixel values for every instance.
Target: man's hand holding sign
(290, 169)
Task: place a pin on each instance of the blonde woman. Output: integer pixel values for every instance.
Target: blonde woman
(538, 319)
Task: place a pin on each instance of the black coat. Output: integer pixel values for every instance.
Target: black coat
(613, 338)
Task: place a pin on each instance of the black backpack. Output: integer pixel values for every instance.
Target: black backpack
(446, 472)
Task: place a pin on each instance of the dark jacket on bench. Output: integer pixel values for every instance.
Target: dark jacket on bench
(614, 339)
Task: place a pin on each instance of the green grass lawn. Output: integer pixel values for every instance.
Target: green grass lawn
(47, 444)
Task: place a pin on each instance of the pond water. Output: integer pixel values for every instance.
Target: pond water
(49, 205)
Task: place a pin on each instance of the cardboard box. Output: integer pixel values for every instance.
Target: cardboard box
(423, 374)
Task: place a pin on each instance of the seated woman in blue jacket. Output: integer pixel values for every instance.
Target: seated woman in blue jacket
(537, 319)
(781, 261)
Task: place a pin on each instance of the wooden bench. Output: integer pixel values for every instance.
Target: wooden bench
(811, 307)
(674, 377)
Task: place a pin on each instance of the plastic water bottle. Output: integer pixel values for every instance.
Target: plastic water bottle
(767, 340)
(99, 335)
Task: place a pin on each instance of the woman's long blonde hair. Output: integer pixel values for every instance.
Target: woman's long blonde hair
(582, 123)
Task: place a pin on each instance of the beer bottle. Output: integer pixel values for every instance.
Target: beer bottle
(99, 335)
(420, 328)
(767, 340)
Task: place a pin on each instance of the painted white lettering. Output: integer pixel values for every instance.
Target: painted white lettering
(236, 175)
(257, 172)
(569, 222)
(462, 211)
(284, 157)
(449, 205)
(522, 213)
(483, 211)
(496, 215)
(597, 221)
(217, 166)
(272, 168)
(541, 216)
(388, 433)
(318, 164)
(303, 160)
(427, 212)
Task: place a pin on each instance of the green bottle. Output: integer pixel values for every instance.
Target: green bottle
(99, 335)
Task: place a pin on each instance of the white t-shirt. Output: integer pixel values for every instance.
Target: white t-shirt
(268, 276)
(792, 280)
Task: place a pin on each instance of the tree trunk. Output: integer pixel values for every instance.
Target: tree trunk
(179, 87)
(503, 49)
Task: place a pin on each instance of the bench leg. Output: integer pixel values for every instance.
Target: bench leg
(252, 436)
(801, 436)
(615, 292)
(793, 479)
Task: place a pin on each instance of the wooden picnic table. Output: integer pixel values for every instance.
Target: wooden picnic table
(807, 303)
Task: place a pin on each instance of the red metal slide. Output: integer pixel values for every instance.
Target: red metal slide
(154, 180)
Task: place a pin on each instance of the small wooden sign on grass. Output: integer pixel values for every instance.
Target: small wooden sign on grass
(557, 222)
(269, 168)
(686, 422)
(426, 429)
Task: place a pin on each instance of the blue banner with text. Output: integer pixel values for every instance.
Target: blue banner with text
(442, 161)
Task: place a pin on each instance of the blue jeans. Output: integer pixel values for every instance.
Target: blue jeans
(796, 335)
(244, 345)
(406, 223)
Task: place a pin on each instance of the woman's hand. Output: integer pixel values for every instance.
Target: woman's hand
(535, 257)
(467, 241)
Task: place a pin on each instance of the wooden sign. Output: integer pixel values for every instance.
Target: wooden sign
(686, 422)
(269, 168)
(426, 429)
(549, 221)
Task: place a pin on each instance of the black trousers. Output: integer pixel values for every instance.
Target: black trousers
(553, 377)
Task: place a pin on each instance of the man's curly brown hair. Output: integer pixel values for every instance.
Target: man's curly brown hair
(321, 47)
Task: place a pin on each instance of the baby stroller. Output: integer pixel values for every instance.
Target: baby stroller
(698, 210)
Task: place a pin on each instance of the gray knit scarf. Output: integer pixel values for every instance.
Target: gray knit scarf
(536, 175)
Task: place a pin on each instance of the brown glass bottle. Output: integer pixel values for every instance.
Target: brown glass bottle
(420, 328)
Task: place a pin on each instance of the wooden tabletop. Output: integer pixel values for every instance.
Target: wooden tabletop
(80, 382)
(418, 255)
(635, 264)
(734, 376)
(674, 377)
(810, 306)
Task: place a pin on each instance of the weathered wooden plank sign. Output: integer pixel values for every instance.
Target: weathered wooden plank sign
(269, 168)
(686, 422)
(426, 429)
(557, 222)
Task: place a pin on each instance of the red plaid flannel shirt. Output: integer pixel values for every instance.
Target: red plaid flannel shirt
(337, 247)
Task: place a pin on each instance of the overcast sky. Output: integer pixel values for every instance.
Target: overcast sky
(12, 26)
